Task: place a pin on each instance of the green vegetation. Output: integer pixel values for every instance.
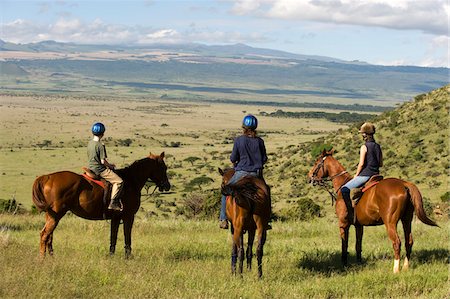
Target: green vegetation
(342, 117)
(191, 259)
(177, 232)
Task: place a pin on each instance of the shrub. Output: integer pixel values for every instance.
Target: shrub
(445, 197)
(318, 149)
(305, 209)
(10, 206)
(204, 205)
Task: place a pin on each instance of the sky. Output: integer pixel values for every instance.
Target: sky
(386, 32)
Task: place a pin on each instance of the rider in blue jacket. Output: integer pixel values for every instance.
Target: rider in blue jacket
(248, 157)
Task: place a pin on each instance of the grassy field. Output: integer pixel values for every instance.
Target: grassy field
(178, 258)
(191, 259)
(45, 134)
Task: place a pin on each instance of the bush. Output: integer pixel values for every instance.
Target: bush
(204, 205)
(10, 206)
(427, 206)
(445, 197)
(318, 149)
(305, 209)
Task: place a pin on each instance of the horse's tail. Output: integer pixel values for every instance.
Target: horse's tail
(38, 194)
(250, 192)
(416, 199)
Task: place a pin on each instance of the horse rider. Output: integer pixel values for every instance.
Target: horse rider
(248, 157)
(98, 163)
(370, 161)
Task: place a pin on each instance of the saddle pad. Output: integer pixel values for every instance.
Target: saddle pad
(100, 183)
(370, 185)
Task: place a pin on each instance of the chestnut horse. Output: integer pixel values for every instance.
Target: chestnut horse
(60, 192)
(386, 203)
(248, 209)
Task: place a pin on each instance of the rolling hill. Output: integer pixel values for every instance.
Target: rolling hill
(415, 142)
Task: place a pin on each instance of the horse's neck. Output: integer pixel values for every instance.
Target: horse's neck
(339, 174)
(137, 172)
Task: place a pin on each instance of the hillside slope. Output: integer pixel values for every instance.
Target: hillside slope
(415, 142)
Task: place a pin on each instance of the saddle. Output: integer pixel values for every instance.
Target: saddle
(107, 186)
(357, 193)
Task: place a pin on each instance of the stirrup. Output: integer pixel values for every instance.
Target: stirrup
(115, 205)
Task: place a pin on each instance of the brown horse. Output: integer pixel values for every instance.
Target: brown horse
(386, 203)
(248, 209)
(60, 192)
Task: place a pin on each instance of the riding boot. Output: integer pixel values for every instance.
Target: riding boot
(115, 204)
(348, 203)
(224, 224)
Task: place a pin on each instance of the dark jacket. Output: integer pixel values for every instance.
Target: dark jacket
(249, 154)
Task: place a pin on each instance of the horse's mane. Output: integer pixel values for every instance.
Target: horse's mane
(131, 169)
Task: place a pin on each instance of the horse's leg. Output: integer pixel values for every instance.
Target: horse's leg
(46, 234)
(406, 222)
(262, 233)
(50, 244)
(359, 235)
(249, 254)
(238, 241)
(344, 244)
(241, 254)
(115, 222)
(396, 244)
(127, 226)
(233, 258)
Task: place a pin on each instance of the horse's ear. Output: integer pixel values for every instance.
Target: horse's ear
(221, 171)
(331, 152)
(162, 155)
(324, 152)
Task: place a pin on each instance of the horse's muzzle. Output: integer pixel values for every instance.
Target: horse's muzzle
(165, 186)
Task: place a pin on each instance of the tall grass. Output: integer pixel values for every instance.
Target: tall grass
(191, 259)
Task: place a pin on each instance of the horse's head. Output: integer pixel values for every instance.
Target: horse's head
(320, 169)
(159, 174)
(226, 176)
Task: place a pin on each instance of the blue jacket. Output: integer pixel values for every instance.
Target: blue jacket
(249, 153)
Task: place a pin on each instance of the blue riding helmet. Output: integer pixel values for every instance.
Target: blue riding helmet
(98, 129)
(250, 122)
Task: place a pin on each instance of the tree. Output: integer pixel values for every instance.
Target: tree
(199, 181)
(191, 160)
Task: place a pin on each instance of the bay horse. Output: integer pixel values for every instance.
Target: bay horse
(385, 203)
(60, 192)
(248, 208)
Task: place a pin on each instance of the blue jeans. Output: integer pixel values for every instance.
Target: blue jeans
(356, 182)
(236, 177)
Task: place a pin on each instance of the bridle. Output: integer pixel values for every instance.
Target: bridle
(324, 182)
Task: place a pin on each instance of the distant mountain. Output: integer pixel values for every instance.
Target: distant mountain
(196, 71)
(194, 48)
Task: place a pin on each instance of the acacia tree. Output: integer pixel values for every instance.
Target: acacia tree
(191, 160)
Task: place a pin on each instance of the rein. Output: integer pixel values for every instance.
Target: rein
(322, 182)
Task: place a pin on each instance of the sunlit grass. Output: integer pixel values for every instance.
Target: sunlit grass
(191, 259)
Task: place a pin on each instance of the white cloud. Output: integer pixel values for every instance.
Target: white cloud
(430, 16)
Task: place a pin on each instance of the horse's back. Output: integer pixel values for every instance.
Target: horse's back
(378, 204)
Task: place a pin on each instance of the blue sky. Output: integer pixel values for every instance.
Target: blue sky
(388, 32)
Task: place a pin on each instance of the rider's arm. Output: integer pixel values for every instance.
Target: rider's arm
(263, 152)
(362, 158)
(381, 158)
(108, 165)
(235, 154)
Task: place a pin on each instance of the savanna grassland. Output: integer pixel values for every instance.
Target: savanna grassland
(191, 259)
(181, 254)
